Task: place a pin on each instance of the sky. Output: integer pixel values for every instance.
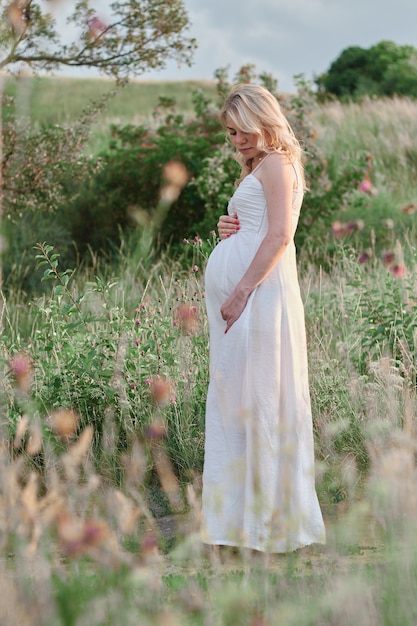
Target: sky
(287, 37)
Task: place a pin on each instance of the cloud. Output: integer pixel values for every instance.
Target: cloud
(289, 37)
(285, 37)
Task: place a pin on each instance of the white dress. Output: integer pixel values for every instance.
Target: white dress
(258, 480)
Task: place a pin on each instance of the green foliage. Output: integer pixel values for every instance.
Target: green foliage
(385, 69)
(42, 169)
(386, 315)
(132, 172)
(96, 351)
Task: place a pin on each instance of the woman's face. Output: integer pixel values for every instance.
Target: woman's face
(246, 143)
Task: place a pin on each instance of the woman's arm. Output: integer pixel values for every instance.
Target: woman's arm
(278, 178)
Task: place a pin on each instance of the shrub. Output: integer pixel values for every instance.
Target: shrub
(132, 172)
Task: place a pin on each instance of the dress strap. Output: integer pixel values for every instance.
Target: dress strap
(297, 175)
(262, 161)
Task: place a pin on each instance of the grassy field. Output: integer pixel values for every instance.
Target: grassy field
(102, 397)
(61, 100)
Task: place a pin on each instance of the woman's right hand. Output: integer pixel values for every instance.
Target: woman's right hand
(227, 225)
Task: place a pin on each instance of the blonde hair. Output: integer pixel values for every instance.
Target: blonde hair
(253, 109)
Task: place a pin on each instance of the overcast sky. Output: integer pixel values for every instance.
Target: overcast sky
(288, 37)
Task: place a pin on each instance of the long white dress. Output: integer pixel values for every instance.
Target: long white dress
(258, 480)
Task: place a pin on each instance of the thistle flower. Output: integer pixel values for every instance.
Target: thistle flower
(338, 229)
(21, 367)
(388, 258)
(96, 27)
(364, 257)
(78, 537)
(186, 317)
(398, 270)
(160, 389)
(367, 187)
(155, 431)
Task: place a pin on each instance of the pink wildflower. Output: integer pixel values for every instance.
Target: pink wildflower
(96, 27)
(367, 187)
(388, 258)
(338, 229)
(364, 257)
(186, 317)
(22, 369)
(398, 270)
(161, 390)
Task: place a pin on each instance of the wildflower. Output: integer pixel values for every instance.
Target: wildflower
(398, 270)
(161, 390)
(338, 229)
(353, 226)
(22, 369)
(64, 423)
(155, 430)
(409, 209)
(389, 224)
(198, 241)
(133, 385)
(137, 341)
(364, 257)
(186, 317)
(137, 321)
(96, 27)
(195, 268)
(367, 187)
(388, 258)
(79, 537)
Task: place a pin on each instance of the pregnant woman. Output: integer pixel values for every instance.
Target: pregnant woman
(258, 480)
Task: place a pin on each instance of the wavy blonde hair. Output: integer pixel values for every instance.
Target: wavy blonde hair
(253, 109)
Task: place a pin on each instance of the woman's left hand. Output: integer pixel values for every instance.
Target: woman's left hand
(233, 308)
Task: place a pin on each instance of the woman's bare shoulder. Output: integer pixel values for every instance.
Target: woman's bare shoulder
(275, 164)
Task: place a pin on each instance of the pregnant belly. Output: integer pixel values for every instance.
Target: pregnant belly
(228, 262)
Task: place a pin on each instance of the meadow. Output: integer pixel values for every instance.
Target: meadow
(102, 397)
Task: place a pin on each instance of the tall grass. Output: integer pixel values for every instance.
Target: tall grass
(102, 430)
(386, 129)
(81, 548)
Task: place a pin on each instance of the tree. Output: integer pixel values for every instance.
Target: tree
(37, 166)
(384, 69)
(140, 34)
